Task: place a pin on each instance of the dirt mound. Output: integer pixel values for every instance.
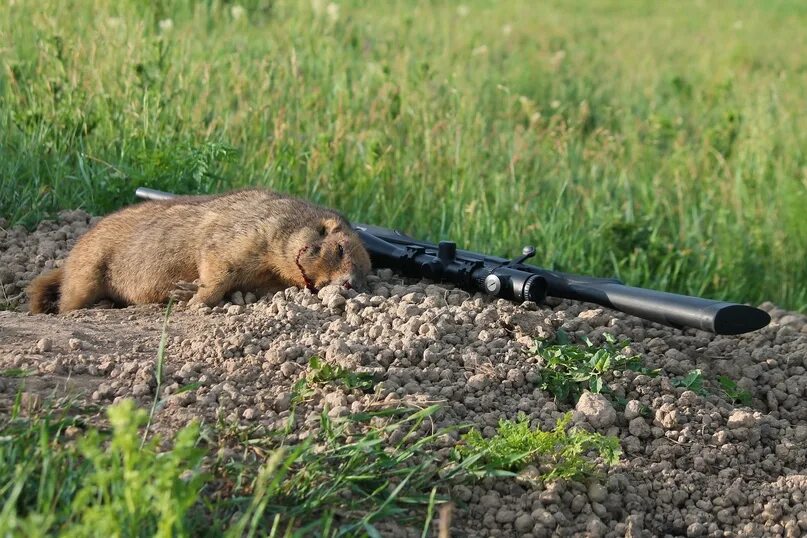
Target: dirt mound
(696, 460)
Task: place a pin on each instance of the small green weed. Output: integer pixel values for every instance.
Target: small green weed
(17, 372)
(191, 168)
(143, 490)
(516, 446)
(734, 393)
(322, 372)
(569, 369)
(692, 381)
(188, 388)
(696, 382)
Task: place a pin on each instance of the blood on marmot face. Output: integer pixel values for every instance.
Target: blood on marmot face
(251, 240)
(332, 254)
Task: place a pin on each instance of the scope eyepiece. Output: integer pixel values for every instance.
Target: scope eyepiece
(535, 289)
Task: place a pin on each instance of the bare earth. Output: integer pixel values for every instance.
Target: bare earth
(692, 465)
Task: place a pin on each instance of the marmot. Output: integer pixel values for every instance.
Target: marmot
(252, 239)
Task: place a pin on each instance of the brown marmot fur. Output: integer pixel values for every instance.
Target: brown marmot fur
(254, 240)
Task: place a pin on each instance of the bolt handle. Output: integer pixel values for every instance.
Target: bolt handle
(526, 252)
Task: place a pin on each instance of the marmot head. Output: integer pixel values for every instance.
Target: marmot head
(330, 252)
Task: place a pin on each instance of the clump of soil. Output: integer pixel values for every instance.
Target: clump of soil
(695, 463)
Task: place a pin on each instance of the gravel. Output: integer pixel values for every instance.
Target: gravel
(693, 464)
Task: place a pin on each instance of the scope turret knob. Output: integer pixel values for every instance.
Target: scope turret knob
(493, 284)
(446, 251)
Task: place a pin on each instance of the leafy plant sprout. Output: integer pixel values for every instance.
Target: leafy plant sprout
(568, 369)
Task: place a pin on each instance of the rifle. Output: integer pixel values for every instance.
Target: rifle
(517, 281)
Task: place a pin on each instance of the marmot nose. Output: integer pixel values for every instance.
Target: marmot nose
(353, 282)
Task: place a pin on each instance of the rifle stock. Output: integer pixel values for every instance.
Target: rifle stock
(517, 281)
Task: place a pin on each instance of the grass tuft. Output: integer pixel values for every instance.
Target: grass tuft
(563, 452)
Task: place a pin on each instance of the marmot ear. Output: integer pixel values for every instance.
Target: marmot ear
(331, 225)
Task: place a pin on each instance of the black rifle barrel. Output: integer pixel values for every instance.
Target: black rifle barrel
(667, 308)
(515, 280)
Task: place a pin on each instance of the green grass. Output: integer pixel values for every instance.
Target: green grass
(16, 372)
(98, 485)
(342, 481)
(566, 453)
(159, 368)
(663, 142)
(111, 484)
(59, 476)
